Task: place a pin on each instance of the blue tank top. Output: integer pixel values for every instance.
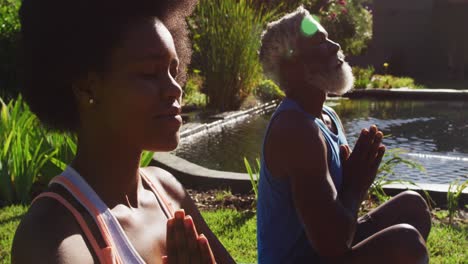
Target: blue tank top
(280, 233)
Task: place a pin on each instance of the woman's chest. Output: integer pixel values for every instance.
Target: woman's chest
(145, 229)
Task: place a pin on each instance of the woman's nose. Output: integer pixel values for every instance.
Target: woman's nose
(173, 89)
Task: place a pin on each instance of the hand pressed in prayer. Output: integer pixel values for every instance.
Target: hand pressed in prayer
(360, 166)
(184, 245)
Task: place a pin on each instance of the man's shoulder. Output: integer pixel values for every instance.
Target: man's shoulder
(293, 141)
(292, 128)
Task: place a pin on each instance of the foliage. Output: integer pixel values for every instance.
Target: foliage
(454, 192)
(267, 90)
(282, 6)
(192, 95)
(226, 40)
(253, 174)
(391, 159)
(28, 153)
(349, 23)
(9, 28)
(146, 158)
(362, 77)
(389, 81)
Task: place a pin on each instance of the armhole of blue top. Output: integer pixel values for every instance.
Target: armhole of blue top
(335, 118)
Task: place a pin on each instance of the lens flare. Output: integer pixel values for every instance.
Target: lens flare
(309, 26)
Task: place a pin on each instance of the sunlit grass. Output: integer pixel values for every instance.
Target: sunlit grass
(237, 231)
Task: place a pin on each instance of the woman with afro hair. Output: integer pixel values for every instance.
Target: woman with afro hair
(110, 72)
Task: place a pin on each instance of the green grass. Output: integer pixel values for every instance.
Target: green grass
(237, 231)
(9, 220)
(448, 244)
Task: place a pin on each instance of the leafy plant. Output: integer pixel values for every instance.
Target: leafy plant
(9, 28)
(453, 196)
(349, 23)
(267, 90)
(391, 159)
(192, 94)
(226, 37)
(389, 81)
(253, 174)
(29, 153)
(146, 158)
(362, 76)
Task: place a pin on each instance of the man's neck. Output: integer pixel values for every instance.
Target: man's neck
(310, 100)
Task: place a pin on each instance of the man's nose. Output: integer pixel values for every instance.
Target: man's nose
(333, 47)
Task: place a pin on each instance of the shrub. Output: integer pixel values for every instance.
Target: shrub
(389, 81)
(9, 28)
(349, 23)
(362, 77)
(192, 95)
(267, 90)
(226, 40)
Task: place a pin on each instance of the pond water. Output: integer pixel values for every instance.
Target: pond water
(433, 133)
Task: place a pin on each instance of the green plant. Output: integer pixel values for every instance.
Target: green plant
(9, 28)
(453, 196)
(391, 159)
(362, 76)
(146, 158)
(349, 23)
(29, 153)
(389, 81)
(253, 174)
(192, 94)
(226, 37)
(267, 90)
(220, 195)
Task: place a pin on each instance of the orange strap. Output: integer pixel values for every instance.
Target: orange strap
(158, 194)
(93, 210)
(105, 255)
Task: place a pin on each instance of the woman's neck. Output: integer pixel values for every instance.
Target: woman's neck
(110, 168)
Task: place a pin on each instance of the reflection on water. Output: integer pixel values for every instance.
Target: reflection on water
(420, 127)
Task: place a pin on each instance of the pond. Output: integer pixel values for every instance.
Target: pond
(432, 133)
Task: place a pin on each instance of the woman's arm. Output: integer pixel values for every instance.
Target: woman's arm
(48, 233)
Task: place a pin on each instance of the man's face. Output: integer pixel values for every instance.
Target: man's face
(322, 59)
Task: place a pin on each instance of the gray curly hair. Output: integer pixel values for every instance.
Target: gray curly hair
(278, 40)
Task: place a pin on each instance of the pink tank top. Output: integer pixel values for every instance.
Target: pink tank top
(116, 248)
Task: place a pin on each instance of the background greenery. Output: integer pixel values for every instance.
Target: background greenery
(9, 28)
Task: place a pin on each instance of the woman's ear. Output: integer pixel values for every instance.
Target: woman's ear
(85, 89)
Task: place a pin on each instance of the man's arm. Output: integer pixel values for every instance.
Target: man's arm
(297, 149)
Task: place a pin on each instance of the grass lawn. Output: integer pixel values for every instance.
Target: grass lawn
(237, 231)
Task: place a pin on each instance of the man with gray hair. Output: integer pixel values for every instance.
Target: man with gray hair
(311, 184)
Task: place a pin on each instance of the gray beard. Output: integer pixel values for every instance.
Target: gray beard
(334, 81)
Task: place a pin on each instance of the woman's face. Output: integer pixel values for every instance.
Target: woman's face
(138, 99)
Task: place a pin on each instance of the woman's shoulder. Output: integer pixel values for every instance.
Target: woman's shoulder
(169, 184)
(48, 233)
